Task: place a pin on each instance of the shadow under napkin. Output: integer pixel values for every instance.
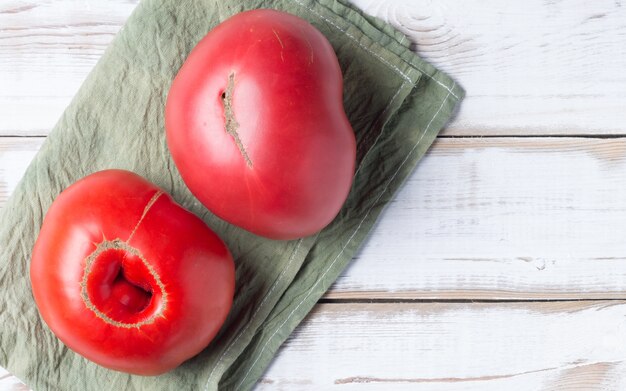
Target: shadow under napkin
(396, 102)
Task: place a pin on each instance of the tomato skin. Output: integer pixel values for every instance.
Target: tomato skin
(291, 169)
(127, 278)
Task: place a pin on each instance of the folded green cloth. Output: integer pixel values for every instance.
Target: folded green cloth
(396, 102)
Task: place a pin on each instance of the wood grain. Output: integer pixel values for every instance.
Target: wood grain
(47, 48)
(535, 67)
(498, 346)
(482, 218)
(529, 67)
(511, 218)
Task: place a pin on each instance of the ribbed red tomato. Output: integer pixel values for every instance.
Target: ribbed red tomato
(256, 125)
(126, 277)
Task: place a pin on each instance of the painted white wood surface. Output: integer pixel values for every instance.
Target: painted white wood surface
(502, 218)
(47, 48)
(482, 218)
(556, 346)
(9, 382)
(511, 218)
(529, 67)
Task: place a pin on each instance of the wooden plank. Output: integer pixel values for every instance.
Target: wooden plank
(518, 218)
(47, 48)
(433, 346)
(498, 346)
(534, 67)
(9, 382)
(15, 155)
(529, 67)
(490, 218)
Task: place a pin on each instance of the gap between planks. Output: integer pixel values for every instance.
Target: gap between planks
(468, 136)
(328, 299)
(461, 138)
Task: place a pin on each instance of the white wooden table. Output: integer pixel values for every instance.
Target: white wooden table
(501, 265)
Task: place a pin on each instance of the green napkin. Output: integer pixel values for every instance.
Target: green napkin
(396, 102)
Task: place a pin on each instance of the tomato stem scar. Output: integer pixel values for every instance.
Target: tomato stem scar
(231, 123)
(118, 244)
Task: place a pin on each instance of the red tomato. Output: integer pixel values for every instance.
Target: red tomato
(126, 277)
(256, 125)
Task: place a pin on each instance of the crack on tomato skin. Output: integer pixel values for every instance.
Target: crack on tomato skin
(146, 209)
(118, 244)
(231, 123)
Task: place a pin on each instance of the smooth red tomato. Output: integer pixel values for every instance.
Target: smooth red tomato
(256, 125)
(126, 277)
